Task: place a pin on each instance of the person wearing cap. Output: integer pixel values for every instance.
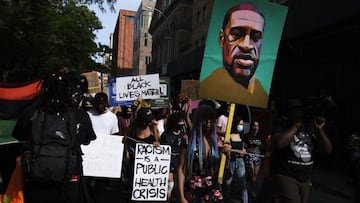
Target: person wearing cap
(296, 136)
(142, 130)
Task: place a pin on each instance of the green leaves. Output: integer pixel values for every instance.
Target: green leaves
(37, 36)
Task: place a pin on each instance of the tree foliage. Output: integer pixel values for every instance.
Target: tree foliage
(37, 36)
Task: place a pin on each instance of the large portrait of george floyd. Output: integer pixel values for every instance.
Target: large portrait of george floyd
(241, 50)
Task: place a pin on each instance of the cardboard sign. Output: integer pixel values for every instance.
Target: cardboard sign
(131, 87)
(190, 89)
(103, 156)
(151, 172)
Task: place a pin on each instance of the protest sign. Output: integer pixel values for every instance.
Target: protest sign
(190, 88)
(103, 156)
(151, 172)
(131, 87)
(242, 75)
(163, 101)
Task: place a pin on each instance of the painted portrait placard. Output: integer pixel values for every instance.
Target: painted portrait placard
(241, 50)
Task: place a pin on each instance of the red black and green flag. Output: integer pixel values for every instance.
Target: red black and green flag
(15, 99)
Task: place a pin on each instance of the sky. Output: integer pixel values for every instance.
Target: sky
(109, 18)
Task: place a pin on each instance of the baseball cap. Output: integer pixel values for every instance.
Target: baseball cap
(145, 114)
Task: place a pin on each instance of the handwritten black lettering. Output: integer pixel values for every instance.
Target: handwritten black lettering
(150, 149)
(136, 79)
(149, 193)
(153, 182)
(151, 169)
(138, 85)
(150, 92)
(129, 95)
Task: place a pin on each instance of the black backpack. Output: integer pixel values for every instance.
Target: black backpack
(49, 154)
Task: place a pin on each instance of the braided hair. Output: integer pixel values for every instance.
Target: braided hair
(203, 113)
(55, 96)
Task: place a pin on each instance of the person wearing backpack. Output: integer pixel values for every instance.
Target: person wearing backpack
(52, 133)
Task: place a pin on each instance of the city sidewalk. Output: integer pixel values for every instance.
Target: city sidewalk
(330, 185)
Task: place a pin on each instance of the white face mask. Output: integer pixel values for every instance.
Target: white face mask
(240, 127)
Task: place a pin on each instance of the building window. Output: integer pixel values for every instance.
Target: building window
(130, 18)
(146, 39)
(143, 20)
(147, 60)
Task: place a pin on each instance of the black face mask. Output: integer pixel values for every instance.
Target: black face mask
(180, 126)
(100, 108)
(87, 108)
(127, 115)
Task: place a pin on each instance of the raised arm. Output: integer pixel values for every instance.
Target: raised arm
(321, 137)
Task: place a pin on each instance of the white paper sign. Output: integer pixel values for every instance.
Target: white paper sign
(151, 172)
(130, 88)
(103, 156)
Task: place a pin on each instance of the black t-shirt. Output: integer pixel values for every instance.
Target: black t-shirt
(84, 131)
(169, 138)
(295, 160)
(252, 140)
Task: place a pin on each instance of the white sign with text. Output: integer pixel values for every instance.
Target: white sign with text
(103, 156)
(151, 172)
(131, 87)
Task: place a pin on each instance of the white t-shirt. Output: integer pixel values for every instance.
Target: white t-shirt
(106, 123)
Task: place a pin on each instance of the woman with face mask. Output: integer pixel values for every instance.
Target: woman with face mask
(253, 159)
(235, 177)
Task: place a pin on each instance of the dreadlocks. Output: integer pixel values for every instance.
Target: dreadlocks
(56, 93)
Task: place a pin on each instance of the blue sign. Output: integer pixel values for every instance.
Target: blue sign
(112, 94)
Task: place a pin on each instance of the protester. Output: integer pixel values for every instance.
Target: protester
(199, 160)
(172, 136)
(296, 136)
(254, 149)
(235, 177)
(142, 130)
(103, 120)
(221, 123)
(105, 123)
(56, 99)
(125, 119)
